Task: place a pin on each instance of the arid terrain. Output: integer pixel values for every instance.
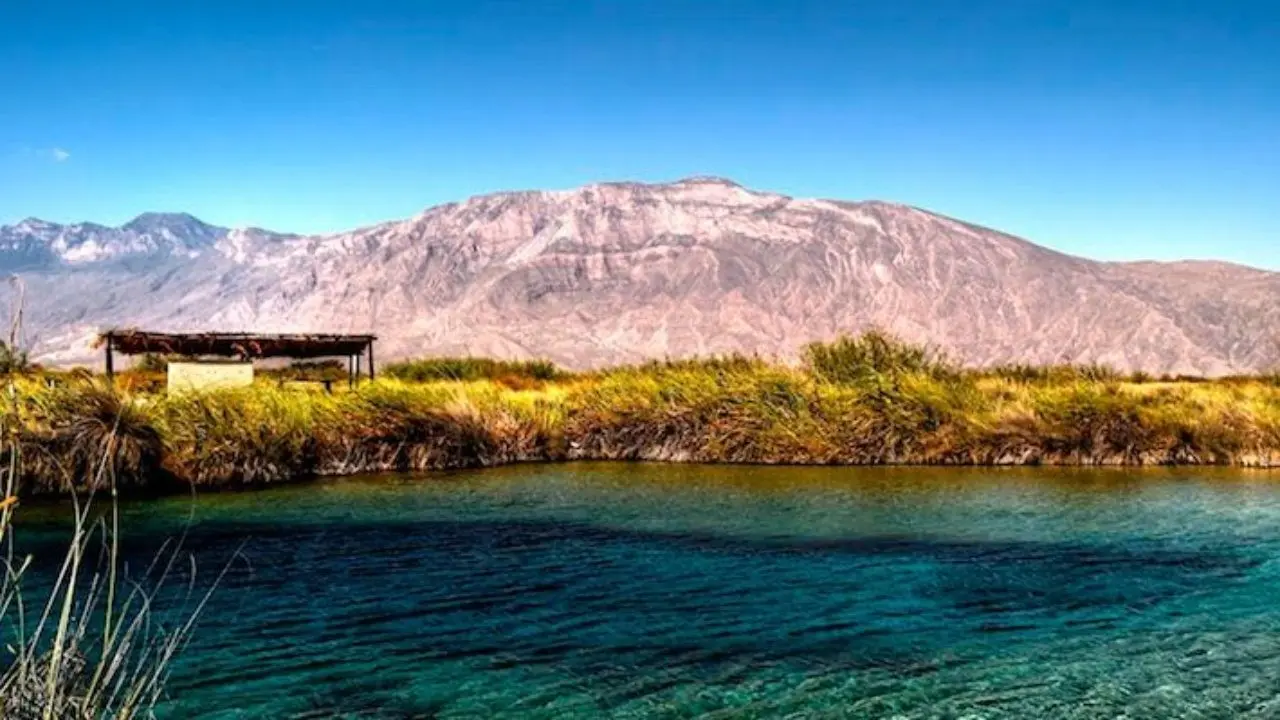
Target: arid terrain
(623, 272)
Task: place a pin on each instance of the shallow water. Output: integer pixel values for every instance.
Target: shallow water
(598, 590)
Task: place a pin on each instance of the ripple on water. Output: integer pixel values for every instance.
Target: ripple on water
(652, 591)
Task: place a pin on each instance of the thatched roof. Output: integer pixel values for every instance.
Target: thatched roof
(240, 345)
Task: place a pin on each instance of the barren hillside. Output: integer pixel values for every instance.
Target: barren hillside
(622, 272)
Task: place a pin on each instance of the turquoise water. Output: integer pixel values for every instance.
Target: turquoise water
(653, 591)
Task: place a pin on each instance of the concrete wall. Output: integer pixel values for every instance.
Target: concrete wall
(185, 376)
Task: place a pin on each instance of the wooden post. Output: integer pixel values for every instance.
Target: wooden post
(371, 374)
(351, 373)
(111, 364)
(358, 369)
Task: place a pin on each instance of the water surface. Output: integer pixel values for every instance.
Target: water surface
(655, 591)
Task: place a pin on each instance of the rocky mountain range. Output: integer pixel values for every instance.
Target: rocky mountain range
(623, 272)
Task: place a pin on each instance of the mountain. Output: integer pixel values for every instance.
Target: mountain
(38, 245)
(622, 272)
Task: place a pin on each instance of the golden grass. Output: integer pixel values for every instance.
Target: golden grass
(92, 647)
(868, 402)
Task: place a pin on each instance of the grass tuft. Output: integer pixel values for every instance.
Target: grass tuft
(872, 355)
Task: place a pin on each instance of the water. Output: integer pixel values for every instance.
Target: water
(651, 591)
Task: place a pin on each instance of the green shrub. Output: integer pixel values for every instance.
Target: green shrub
(858, 359)
(1094, 420)
(436, 369)
(13, 360)
(312, 370)
(1026, 373)
(151, 363)
(1019, 372)
(732, 363)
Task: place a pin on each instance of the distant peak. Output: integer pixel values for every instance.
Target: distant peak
(34, 222)
(708, 180)
(153, 219)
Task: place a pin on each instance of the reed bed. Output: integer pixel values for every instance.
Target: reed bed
(93, 639)
(510, 372)
(865, 400)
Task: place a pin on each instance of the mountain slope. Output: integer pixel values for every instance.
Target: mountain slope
(35, 244)
(624, 272)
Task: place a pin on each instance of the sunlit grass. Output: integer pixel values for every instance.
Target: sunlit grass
(518, 373)
(91, 642)
(857, 401)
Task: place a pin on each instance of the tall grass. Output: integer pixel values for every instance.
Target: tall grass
(471, 369)
(865, 400)
(93, 644)
(873, 355)
(1062, 373)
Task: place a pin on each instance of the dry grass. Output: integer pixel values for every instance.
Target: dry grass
(518, 373)
(866, 400)
(93, 645)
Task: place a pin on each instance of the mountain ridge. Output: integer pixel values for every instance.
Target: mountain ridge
(626, 271)
(869, 201)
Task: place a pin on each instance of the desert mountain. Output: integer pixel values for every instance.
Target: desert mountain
(622, 272)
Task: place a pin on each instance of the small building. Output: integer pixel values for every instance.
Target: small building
(219, 360)
(206, 375)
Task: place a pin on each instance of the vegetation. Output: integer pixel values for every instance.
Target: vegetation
(13, 359)
(332, 371)
(510, 372)
(91, 642)
(872, 356)
(860, 400)
(152, 363)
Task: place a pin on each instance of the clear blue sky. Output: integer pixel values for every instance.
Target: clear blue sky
(1109, 128)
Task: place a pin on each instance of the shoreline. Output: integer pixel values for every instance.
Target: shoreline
(456, 441)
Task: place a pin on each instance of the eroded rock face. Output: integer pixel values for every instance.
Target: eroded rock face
(624, 272)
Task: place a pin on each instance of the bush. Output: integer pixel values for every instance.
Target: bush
(97, 642)
(13, 360)
(311, 370)
(151, 363)
(1059, 374)
(438, 369)
(858, 359)
(732, 363)
(88, 438)
(1094, 421)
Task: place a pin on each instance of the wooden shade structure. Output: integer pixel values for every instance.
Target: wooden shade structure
(242, 346)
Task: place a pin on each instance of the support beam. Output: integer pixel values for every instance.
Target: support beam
(111, 362)
(358, 369)
(351, 371)
(371, 371)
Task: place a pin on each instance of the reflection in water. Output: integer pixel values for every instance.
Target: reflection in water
(597, 590)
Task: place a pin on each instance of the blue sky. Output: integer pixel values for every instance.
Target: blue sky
(1108, 128)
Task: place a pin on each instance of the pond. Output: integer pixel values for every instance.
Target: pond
(654, 591)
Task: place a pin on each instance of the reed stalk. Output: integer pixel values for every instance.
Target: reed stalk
(100, 646)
